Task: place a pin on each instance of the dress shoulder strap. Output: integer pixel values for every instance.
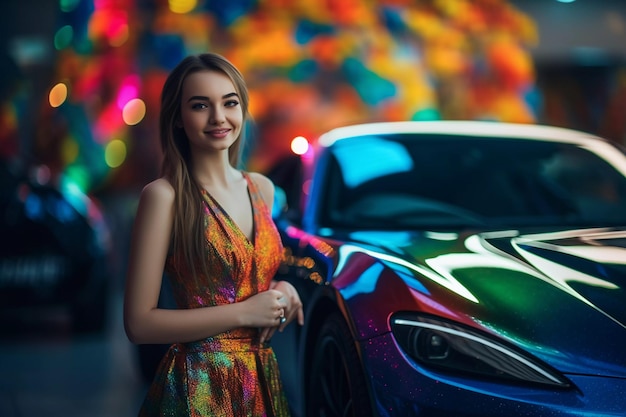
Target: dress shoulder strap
(255, 192)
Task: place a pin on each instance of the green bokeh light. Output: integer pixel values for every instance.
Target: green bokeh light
(63, 37)
(76, 177)
(68, 5)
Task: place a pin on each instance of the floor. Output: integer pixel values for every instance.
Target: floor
(45, 370)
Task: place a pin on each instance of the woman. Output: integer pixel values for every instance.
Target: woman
(208, 225)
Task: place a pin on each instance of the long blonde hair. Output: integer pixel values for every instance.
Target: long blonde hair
(188, 228)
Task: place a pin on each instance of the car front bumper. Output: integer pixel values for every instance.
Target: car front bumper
(400, 387)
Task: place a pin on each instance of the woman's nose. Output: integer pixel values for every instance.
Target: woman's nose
(217, 116)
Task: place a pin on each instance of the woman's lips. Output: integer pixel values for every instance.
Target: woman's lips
(218, 133)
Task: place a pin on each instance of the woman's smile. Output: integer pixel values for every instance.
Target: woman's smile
(218, 133)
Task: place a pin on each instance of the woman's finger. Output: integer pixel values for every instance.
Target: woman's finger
(264, 335)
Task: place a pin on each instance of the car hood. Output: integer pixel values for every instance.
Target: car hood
(560, 295)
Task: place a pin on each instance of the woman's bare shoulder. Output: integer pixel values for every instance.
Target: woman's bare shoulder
(263, 182)
(160, 189)
(266, 186)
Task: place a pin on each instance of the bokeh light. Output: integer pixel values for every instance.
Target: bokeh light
(128, 90)
(115, 153)
(109, 22)
(182, 6)
(58, 95)
(134, 111)
(306, 186)
(69, 150)
(42, 174)
(63, 37)
(73, 184)
(68, 5)
(119, 36)
(75, 181)
(299, 145)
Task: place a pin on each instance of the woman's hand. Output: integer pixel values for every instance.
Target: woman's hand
(294, 305)
(264, 309)
(293, 308)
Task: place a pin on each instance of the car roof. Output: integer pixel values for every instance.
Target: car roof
(466, 128)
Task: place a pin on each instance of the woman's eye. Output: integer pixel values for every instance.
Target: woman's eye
(232, 103)
(198, 106)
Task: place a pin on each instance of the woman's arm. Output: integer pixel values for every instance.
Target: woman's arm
(143, 320)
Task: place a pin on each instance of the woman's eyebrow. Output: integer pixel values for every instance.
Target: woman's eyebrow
(205, 98)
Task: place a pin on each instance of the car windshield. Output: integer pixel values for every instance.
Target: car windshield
(403, 181)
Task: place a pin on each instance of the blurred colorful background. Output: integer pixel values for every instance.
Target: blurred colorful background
(311, 65)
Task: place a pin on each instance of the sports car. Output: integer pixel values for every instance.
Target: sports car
(456, 268)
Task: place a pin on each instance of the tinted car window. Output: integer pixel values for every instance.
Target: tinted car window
(402, 181)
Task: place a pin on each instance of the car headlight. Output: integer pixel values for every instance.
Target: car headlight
(452, 347)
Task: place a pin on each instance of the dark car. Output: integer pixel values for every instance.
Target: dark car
(54, 253)
(457, 269)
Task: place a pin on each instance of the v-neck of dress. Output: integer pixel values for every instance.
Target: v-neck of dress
(250, 242)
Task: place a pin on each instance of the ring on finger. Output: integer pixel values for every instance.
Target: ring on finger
(283, 319)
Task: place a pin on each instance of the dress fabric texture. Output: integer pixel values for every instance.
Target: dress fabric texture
(230, 374)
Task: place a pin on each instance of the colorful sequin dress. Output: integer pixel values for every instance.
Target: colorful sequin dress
(231, 374)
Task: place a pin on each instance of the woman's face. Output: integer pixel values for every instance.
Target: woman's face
(210, 111)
